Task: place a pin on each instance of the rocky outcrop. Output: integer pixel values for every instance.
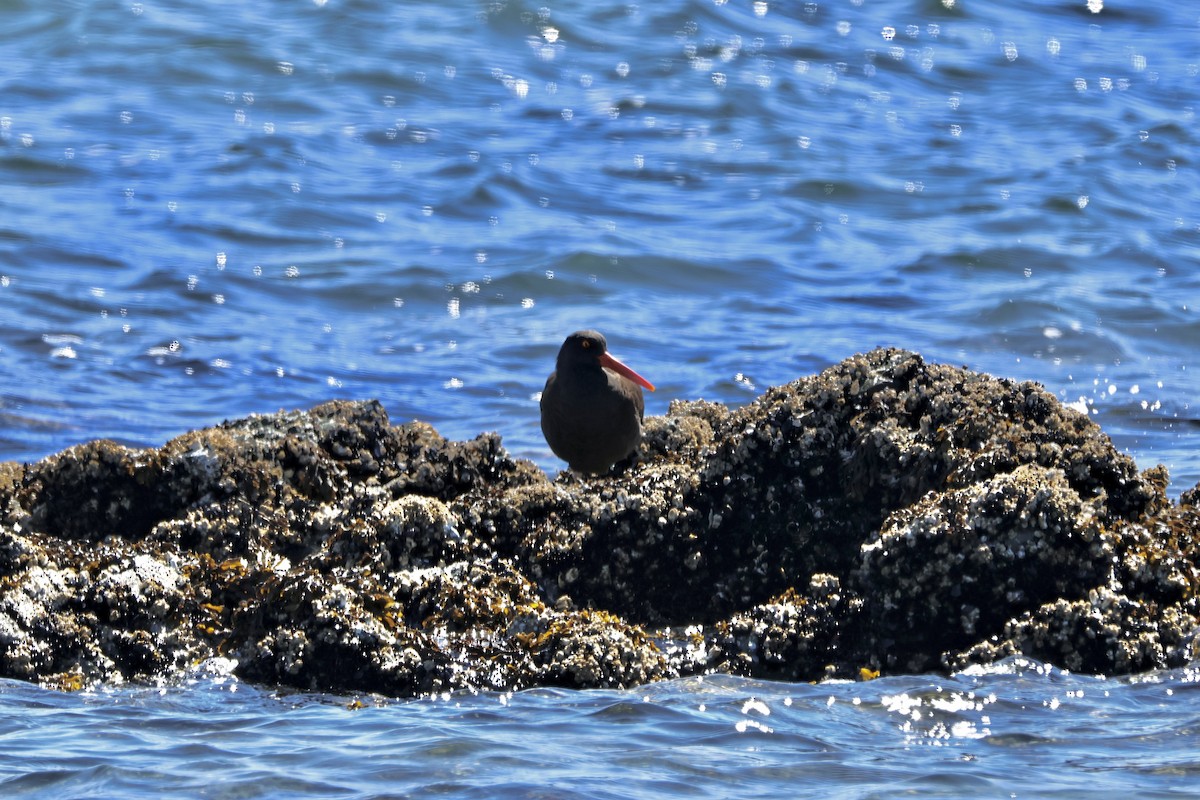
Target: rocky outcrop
(886, 515)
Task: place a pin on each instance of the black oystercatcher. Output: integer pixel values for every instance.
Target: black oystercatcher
(592, 405)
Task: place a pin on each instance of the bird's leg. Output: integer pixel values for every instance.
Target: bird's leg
(626, 464)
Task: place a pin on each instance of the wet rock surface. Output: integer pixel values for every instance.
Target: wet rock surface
(885, 515)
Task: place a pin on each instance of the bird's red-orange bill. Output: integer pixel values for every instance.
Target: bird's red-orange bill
(608, 360)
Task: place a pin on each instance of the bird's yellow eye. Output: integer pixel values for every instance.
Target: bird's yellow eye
(585, 344)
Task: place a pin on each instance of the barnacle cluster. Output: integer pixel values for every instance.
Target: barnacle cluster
(885, 515)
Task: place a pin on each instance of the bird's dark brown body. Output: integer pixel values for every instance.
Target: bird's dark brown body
(592, 405)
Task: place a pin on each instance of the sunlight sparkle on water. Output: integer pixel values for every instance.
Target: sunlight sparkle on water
(752, 724)
(754, 704)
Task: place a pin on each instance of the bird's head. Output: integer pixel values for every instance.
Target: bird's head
(589, 350)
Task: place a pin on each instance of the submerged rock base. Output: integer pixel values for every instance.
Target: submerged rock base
(886, 515)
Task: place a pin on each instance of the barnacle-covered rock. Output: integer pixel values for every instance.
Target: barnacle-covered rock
(792, 637)
(1104, 632)
(966, 560)
(588, 648)
(886, 514)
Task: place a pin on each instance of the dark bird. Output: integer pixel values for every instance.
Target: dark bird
(592, 405)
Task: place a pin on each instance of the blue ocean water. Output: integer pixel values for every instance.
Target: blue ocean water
(1021, 729)
(215, 209)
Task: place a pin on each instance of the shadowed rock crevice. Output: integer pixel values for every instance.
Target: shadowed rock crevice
(886, 514)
